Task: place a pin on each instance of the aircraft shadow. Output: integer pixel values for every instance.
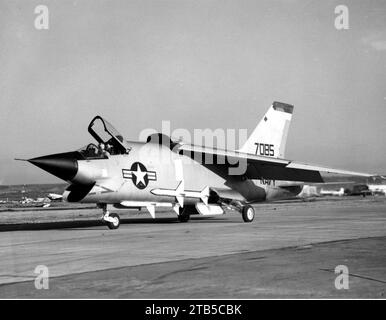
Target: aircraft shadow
(97, 223)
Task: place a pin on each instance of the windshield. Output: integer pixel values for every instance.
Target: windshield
(92, 151)
(109, 140)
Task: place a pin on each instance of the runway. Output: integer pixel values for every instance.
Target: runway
(289, 251)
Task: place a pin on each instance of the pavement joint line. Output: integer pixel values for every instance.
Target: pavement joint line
(357, 276)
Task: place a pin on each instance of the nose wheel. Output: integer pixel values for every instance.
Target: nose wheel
(112, 220)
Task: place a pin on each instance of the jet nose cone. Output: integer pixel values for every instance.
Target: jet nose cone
(61, 165)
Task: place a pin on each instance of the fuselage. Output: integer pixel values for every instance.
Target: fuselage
(149, 166)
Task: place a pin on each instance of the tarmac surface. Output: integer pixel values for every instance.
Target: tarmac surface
(290, 250)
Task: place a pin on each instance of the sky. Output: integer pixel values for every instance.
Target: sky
(198, 64)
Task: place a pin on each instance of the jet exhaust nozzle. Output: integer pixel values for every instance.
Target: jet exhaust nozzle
(61, 165)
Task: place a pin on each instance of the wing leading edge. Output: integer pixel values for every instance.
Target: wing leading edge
(261, 167)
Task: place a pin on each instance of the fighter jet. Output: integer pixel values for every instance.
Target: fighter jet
(55, 197)
(190, 179)
(377, 185)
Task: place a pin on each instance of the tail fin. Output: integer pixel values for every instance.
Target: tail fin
(270, 136)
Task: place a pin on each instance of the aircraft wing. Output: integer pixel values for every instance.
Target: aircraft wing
(261, 167)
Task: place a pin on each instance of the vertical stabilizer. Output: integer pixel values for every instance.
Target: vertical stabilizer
(270, 136)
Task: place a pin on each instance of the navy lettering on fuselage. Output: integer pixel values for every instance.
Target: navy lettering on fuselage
(267, 182)
(265, 149)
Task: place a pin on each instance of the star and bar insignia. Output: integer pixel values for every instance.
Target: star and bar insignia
(139, 174)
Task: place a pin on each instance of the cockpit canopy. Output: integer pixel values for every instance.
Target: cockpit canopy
(110, 141)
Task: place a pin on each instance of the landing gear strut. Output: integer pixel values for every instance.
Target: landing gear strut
(248, 213)
(184, 215)
(112, 220)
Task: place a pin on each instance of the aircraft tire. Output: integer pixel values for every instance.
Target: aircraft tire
(116, 224)
(184, 215)
(248, 213)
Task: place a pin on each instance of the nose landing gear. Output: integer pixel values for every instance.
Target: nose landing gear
(112, 220)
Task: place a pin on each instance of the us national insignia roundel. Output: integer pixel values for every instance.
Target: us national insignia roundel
(139, 174)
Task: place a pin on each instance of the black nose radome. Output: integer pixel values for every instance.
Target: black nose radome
(61, 165)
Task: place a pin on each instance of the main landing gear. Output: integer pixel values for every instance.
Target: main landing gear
(246, 210)
(112, 220)
(184, 214)
(248, 213)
